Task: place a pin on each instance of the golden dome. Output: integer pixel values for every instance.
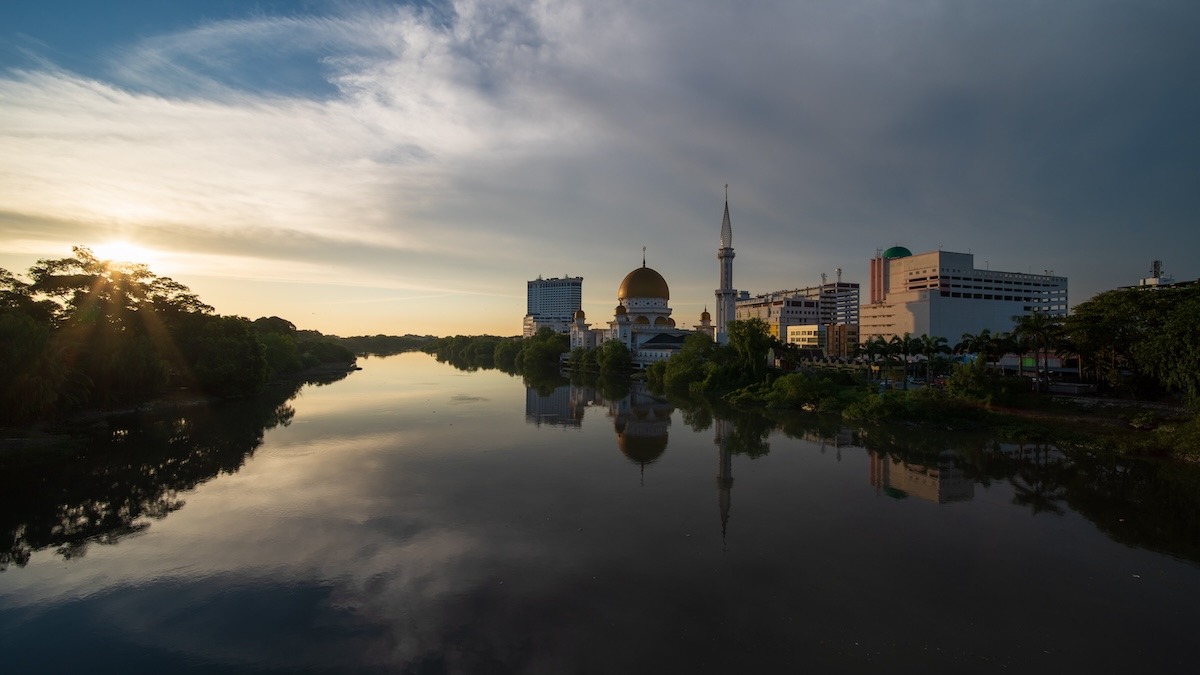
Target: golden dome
(621, 310)
(705, 316)
(662, 321)
(642, 321)
(643, 283)
(579, 314)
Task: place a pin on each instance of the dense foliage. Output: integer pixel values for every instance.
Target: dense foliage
(974, 394)
(704, 368)
(1137, 341)
(84, 332)
(512, 355)
(384, 345)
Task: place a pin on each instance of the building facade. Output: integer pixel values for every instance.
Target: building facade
(833, 340)
(551, 303)
(817, 317)
(943, 294)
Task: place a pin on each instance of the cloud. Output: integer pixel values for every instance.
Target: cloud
(505, 140)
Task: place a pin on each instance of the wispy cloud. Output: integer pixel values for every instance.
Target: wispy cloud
(482, 143)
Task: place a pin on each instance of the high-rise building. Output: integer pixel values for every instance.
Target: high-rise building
(943, 294)
(550, 303)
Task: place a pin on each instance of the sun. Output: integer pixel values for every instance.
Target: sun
(122, 251)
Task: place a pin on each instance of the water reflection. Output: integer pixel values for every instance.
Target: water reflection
(641, 421)
(130, 475)
(412, 519)
(563, 406)
(940, 483)
(939, 467)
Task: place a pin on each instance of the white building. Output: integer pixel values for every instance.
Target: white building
(641, 321)
(551, 303)
(943, 294)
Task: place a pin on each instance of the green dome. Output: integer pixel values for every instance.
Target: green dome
(897, 252)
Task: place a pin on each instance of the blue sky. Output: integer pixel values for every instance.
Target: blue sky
(364, 167)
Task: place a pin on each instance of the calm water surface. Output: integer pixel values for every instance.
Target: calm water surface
(416, 518)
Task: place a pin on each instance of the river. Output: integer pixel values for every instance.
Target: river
(416, 518)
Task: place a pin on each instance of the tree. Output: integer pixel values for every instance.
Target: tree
(903, 347)
(930, 347)
(226, 356)
(1105, 330)
(874, 348)
(984, 343)
(1042, 330)
(751, 340)
(614, 357)
(1172, 353)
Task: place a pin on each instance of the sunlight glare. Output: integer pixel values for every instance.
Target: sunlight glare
(126, 252)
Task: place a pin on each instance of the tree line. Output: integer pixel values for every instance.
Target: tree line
(81, 332)
(513, 355)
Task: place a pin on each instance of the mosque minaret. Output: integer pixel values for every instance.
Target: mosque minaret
(726, 295)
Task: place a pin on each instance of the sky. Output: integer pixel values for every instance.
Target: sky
(363, 167)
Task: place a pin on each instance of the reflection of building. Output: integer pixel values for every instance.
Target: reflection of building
(564, 406)
(938, 484)
(942, 294)
(724, 471)
(641, 421)
(550, 303)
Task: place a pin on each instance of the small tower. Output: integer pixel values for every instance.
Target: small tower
(726, 295)
(705, 326)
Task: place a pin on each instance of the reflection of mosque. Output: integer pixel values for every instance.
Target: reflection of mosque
(938, 484)
(641, 421)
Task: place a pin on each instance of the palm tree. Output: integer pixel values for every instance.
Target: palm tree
(1002, 343)
(979, 343)
(929, 347)
(903, 346)
(1043, 330)
(874, 348)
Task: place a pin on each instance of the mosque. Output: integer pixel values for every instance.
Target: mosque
(642, 318)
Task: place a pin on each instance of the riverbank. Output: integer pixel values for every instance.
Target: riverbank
(1117, 426)
(49, 439)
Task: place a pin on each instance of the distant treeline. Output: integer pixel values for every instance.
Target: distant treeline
(384, 345)
(513, 355)
(80, 332)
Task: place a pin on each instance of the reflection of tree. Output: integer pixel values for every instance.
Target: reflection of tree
(131, 475)
(1039, 481)
(749, 434)
(544, 380)
(1148, 504)
(1140, 503)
